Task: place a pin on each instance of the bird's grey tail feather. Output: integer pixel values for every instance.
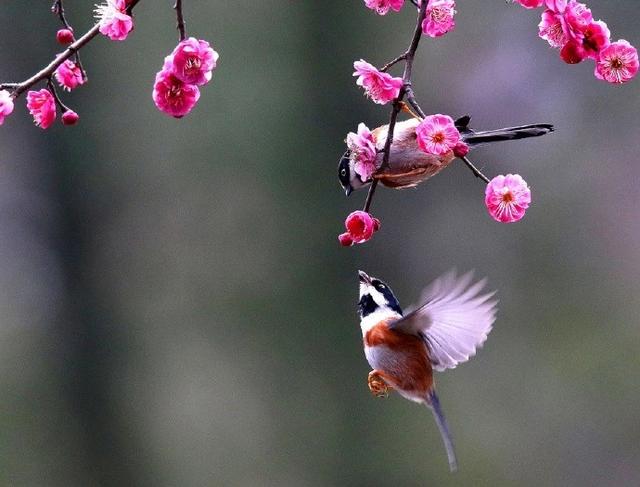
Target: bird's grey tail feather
(474, 139)
(434, 403)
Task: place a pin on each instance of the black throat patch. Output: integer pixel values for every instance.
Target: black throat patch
(366, 305)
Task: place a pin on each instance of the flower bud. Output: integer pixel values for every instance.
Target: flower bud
(64, 37)
(70, 117)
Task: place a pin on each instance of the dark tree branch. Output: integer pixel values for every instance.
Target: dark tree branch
(475, 170)
(180, 20)
(45, 73)
(408, 57)
(53, 91)
(58, 9)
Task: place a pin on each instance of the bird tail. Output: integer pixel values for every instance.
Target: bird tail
(434, 403)
(474, 139)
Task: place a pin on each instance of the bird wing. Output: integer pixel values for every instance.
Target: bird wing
(454, 320)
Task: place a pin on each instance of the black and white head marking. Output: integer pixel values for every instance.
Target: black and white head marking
(375, 296)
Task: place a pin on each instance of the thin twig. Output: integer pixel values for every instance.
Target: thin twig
(52, 90)
(49, 69)
(180, 20)
(397, 103)
(58, 9)
(386, 67)
(475, 170)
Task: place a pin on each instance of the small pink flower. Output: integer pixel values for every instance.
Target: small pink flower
(596, 37)
(507, 198)
(380, 87)
(437, 134)
(42, 106)
(172, 96)
(617, 63)
(362, 146)
(360, 227)
(114, 21)
(69, 75)
(572, 52)
(70, 118)
(382, 7)
(530, 3)
(64, 36)
(193, 61)
(576, 18)
(6, 105)
(439, 19)
(550, 29)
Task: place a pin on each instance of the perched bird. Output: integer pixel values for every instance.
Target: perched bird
(403, 350)
(408, 165)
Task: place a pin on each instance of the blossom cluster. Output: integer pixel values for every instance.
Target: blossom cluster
(569, 25)
(439, 17)
(176, 89)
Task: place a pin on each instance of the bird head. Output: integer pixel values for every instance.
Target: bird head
(376, 296)
(349, 179)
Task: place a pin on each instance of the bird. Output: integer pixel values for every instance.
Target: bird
(408, 165)
(403, 350)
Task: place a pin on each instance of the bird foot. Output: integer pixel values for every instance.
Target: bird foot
(377, 385)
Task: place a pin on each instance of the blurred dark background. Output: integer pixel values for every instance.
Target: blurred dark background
(175, 308)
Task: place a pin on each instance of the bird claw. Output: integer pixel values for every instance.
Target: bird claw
(377, 385)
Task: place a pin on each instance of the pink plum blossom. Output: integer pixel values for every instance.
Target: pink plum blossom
(6, 105)
(596, 36)
(439, 18)
(42, 106)
(69, 75)
(550, 29)
(173, 96)
(114, 21)
(382, 7)
(437, 134)
(380, 87)
(507, 198)
(193, 61)
(360, 227)
(70, 117)
(530, 3)
(362, 146)
(617, 63)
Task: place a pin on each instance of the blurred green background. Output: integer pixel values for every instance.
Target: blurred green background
(175, 308)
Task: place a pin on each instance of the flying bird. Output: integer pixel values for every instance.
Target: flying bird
(408, 165)
(404, 349)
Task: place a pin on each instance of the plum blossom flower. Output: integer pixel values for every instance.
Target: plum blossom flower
(42, 106)
(193, 61)
(6, 105)
(439, 18)
(173, 96)
(360, 227)
(530, 3)
(507, 198)
(437, 134)
(69, 75)
(595, 37)
(362, 146)
(617, 63)
(380, 87)
(382, 7)
(114, 21)
(550, 29)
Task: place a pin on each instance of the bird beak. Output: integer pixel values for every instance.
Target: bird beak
(364, 278)
(348, 190)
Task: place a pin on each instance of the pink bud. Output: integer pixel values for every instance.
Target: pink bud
(64, 36)
(70, 117)
(345, 240)
(461, 149)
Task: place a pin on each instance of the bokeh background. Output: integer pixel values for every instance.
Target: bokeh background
(175, 309)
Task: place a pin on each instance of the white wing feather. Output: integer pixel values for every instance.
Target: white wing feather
(454, 321)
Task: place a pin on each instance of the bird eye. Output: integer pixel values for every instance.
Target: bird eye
(343, 172)
(381, 286)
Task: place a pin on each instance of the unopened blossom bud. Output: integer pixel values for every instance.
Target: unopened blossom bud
(70, 117)
(64, 36)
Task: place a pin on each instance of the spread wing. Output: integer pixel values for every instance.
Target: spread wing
(454, 320)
